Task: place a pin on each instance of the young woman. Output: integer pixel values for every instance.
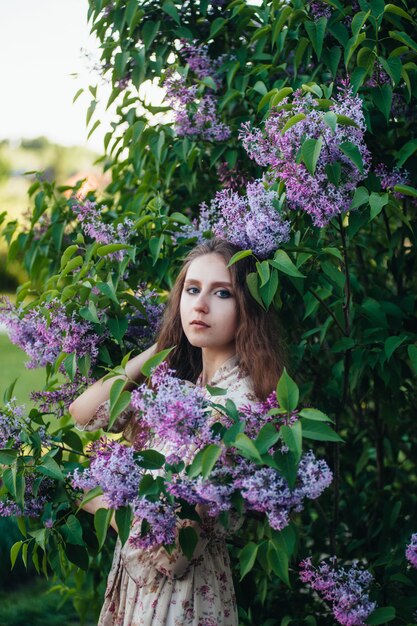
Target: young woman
(222, 338)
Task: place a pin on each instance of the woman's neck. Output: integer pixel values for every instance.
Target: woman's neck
(212, 360)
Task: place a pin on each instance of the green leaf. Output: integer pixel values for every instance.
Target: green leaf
(8, 456)
(406, 151)
(70, 365)
(68, 253)
(360, 197)
(72, 531)
(377, 201)
(238, 256)
(318, 431)
(247, 447)
(123, 521)
(279, 563)
(316, 31)
(353, 153)
(110, 248)
(188, 540)
(277, 96)
(102, 519)
(344, 120)
(252, 282)
(406, 190)
(247, 558)
(150, 459)
(154, 361)
(412, 353)
(210, 457)
(381, 615)
(216, 391)
(118, 407)
(292, 437)
(310, 151)
(217, 26)
(49, 467)
(292, 121)
(269, 290)
(267, 437)
(14, 551)
(391, 344)
(330, 118)
(382, 97)
(149, 32)
(393, 8)
(287, 392)
(284, 264)
(287, 465)
(315, 415)
(171, 10)
(77, 555)
(118, 327)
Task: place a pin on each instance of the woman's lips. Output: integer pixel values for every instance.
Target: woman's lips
(199, 323)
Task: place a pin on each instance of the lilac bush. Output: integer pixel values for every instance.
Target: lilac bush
(345, 589)
(91, 217)
(45, 331)
(38, 492)
(326, 192)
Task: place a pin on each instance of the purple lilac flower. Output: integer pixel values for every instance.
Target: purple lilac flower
(37, 494)
(215, 492)
(379, 76)
(411, 550)
(266, 491)
(316, 194)
(58, 400)
(257, 414)
(345, 589)
(11, 421)
(250, 221)
(91, 218)
(45, 331)
(175, 412)
(194, 116)
(231, 177)
(198, 59)
(390, 178)
(113, 468)
(320, 9)
(162, 521)
(144, 324)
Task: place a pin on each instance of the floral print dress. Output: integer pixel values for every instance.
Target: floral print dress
(149, 587)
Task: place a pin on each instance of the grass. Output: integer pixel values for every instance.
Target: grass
(12, 366)
(31, 605)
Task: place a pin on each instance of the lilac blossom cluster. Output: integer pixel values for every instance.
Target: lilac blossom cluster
(319, 9)
(91, 218)
(328, 192)
(263, 489)
(231, 177)
(45, 331)
(144, 324)
(114, 469)
(176, 413)
(195, 115)
(345, 589)
(37, 494)
(249, 222)
(379, 76)
(391, 177)
(11, 421)
(160, 520)
(257, 414)
(57, 401)
(411, 551)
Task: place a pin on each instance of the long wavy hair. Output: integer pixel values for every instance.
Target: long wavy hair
(259, 343)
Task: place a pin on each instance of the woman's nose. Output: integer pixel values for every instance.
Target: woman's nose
(201, 303)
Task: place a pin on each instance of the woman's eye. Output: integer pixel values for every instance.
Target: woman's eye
(223, 293)
(192, 290)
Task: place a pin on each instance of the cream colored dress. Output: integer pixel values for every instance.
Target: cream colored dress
(148, 587)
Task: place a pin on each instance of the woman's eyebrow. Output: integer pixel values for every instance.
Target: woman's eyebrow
(190, 281)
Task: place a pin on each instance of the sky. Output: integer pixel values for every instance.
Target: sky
(41, 47)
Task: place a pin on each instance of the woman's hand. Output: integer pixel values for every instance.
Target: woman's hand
(94, 505)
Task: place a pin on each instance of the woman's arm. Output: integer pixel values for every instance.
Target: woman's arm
(85, 406)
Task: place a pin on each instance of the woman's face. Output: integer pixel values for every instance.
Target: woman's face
(208, 305)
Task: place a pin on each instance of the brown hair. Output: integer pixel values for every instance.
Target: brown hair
(258, 340)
